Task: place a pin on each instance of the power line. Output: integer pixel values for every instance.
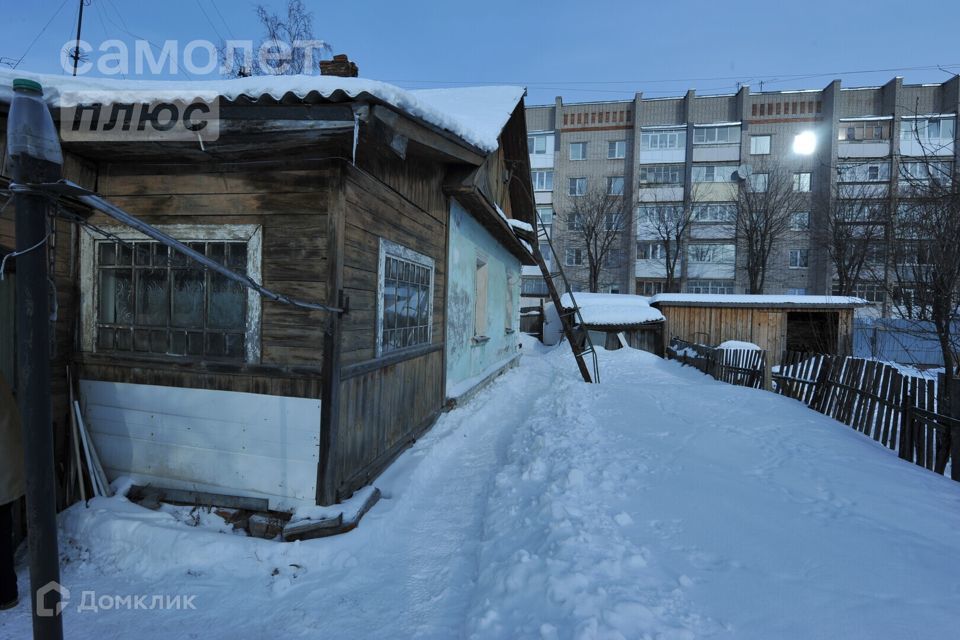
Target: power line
(209, 21)
(126, 30)
(222, 19)
(755, 76)
(42, 31)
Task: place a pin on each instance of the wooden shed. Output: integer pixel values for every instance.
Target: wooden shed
(327, 189)
(612, 319)
(775, 323)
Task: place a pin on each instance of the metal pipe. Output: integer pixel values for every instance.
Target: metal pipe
(29, 130)
(96, 202)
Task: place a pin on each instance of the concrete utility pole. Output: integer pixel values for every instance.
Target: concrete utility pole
(34, 150)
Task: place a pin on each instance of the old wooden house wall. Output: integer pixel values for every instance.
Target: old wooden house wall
(290, 205)
(63, 242)
(385, 403)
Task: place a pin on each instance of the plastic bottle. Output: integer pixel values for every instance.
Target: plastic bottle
(32, 140)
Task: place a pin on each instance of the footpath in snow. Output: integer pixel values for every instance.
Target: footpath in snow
(658, 504)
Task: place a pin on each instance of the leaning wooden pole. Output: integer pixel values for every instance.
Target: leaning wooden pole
(564, 318)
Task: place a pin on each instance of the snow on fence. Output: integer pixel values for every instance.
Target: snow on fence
(876, 399)
(741, 367)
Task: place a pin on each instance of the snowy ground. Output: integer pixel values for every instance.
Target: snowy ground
(659, 504)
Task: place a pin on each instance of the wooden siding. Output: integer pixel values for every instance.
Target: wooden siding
(764, 327)
(372, 433)
(291, 207)
(373, 211)
(383, 404)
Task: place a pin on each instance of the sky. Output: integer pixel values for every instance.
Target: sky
(581, 51)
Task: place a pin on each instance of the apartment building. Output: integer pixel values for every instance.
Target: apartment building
(696, 151)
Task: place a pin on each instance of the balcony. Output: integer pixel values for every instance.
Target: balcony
(660, 193)
(716, 152)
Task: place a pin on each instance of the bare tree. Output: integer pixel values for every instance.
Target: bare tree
(925, 261)
(288, 45)
(766, 201)
(852, 231)
(595, 222)
(668, 224)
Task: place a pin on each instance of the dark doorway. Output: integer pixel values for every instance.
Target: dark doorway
(812, 332)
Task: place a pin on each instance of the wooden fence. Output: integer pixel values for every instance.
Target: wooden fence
(741, 367)
(901, 412)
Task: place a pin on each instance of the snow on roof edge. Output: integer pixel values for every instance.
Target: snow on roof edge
(757, 300)
(476, 115)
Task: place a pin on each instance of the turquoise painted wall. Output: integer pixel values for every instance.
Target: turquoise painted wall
(469, 360)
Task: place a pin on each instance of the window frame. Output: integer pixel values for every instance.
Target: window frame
(537, 138)
(794, 216)
(573, 187)
(89, 280)
(612, 180)
(612, 149)
(804, 253)
(700, 135)
(398, 251)
(766, 138)
(584, 149)
(546, 173)
(802, 181)
(567, 262)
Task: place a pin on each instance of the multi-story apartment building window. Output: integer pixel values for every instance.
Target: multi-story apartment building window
(864, 130)
(575, 222)
(547, 254)
(573, 257)
(866, 171)
(615, 185)
(577, 187)
(715, 212)
(938, 130)
(649, 287)
(757, 182)
(665, 139)
(650, 251)
(713, 173)
(542, 180)
(801, 182)
(799, 258)
(725, 287)
(578, 150)
(919, 173)
(655, 213)
(711, 253)
(617, 149)
(613, 259)
(546, 215)
(613, 221)
(661, 174)
(800, 221)
(869, 291)
(760, 145)
(533, 287)
(717, 135)
(537, 144)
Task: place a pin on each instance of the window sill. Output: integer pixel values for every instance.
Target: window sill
(478, 340)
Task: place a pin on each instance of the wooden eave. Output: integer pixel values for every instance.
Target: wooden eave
(785, 306)
(462, 185)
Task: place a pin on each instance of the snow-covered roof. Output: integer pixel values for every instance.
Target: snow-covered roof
(477, 115)
(748, 300)
(612, 309)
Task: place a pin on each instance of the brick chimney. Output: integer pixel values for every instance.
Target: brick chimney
(339, 66)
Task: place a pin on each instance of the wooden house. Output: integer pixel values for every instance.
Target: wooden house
(336, 190)
(775, 323)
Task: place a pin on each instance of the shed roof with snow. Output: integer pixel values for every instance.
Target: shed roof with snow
(748, 300)
(612, 309)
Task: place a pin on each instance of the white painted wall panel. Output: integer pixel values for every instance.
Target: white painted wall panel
(716, 153)
(863, 149)
(214, 441)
